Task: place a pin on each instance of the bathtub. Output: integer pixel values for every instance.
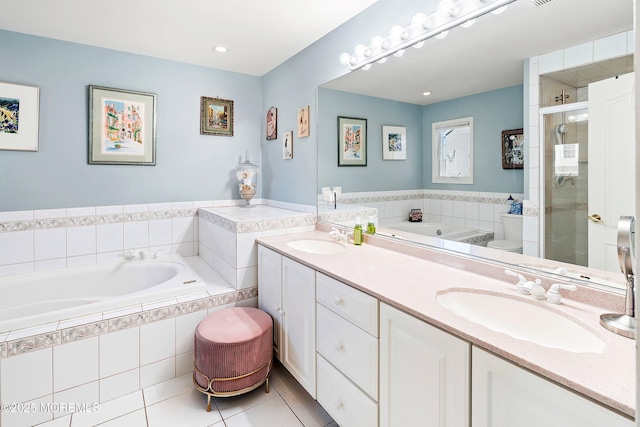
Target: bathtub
(32, 299)
(415, 230)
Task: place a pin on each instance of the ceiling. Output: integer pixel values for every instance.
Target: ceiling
(487, 56)
(259, 34)
(490, 54)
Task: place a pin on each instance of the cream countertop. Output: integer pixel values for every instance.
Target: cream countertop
(412, 283)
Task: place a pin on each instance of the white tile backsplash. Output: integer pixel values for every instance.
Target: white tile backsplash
(75, 364)
(50, 243)
(16, 247)
(81, 240)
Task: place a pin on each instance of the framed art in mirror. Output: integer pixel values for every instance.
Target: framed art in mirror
(352, 141)
(216, 116)
(394, 143)
(19, 117)
(512, 149)
(122, 127)
(272, 124)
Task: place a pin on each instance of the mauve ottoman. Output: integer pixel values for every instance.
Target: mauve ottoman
(233, 351)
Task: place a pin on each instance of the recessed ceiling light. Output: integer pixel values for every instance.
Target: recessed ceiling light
(220, 49)
(427, 93)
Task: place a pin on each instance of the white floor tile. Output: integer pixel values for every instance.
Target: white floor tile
(58, 422)
(281, 379)
(272, 413)
(185, 410)
(308, 411)
(168, 389)
(134, 419)
(230, 406)
(109, 410)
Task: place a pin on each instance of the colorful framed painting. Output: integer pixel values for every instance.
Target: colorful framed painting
(512, 149)
(303, 122)
(216, 116)
(394, 143)
(352, 141)
(19, 107)
(287, 145)
(272, 124)
(122, 127)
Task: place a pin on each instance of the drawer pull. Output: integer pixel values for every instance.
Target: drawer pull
(338, 301)
(338, 404)
(338, 346)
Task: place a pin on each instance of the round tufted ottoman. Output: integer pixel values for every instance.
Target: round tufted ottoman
(233, 350)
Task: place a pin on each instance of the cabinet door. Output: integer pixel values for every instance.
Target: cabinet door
(269, 290)
(424, 373)
(504, 395)
(298, 346)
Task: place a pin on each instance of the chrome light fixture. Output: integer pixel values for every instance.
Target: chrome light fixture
(449, 14)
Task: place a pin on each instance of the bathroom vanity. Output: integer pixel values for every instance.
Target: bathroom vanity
(362, 329)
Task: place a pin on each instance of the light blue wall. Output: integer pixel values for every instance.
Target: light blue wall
(189, 166)
(492, 113)
(378, 175)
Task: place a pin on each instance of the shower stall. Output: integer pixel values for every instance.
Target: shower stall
(565, 138)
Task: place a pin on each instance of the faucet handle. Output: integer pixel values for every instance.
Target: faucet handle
(523, 287)
(553, 294)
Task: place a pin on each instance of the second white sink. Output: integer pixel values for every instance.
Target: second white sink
(522, 320)
(320, 247)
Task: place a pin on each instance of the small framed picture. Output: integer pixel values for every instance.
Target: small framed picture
(216, 116)
(394, 143)
(352, 141)
(272, 124)
(122, 127)
(19, 107)
(287, 145)
(303, 122)
(512, 149)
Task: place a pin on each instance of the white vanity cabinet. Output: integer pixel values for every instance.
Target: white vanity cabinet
(287, 291)
(504, 395)
(347, 344)
(424, 373)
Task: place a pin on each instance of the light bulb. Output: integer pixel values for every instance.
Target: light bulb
(419, 19)
(382, 60)
(399, 53)
(448, 8)
(359, 50)
(442, 35)
(419, 44)
(345, 58)
(398, 33)
(499, 10)
(366, 67)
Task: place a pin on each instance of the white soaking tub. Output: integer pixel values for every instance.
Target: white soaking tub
(414, 230)
(33, 299)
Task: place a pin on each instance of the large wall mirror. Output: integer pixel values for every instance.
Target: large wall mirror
(480, 72)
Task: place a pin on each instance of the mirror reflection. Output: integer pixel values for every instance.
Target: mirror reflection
(452, 152)
(467, 217)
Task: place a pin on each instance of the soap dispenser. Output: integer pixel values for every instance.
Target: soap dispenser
(357, 232)
(371, 226)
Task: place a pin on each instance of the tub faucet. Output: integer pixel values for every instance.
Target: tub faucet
(132, 256)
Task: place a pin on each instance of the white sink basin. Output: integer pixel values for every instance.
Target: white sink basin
(522, 320)
(320, 247)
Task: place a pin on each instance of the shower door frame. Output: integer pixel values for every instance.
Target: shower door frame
(554, 109)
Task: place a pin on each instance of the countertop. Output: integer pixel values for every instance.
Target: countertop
(412, 283)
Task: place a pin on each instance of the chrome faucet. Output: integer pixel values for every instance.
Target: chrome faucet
(624, 324)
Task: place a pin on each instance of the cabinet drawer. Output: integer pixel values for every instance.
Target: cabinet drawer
(346, 404)
(348, 348)
(355, 306)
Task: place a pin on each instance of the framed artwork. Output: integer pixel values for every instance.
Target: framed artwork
(394, 143)
(19, 107)
(287, 145)
(512, 149)
(272, 124)
(122, 127)
(216, 116)
(303, 122)
(352, 141)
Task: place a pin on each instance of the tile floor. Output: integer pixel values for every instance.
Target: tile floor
(177, 403)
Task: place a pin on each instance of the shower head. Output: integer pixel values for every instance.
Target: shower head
(561, 129)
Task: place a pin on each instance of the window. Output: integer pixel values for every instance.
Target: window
(452, 151)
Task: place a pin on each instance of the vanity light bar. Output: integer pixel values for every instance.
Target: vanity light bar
(449, 14)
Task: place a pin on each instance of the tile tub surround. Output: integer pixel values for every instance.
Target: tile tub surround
(227, 237)
(99, 358)
(467, 209)
(410, 277)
